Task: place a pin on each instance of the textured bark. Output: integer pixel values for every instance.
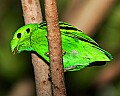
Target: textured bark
(32, 14)
(55, 48)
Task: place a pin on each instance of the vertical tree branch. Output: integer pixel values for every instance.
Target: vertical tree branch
(32, 14)
(55, 48)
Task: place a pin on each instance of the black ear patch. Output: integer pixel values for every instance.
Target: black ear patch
(19, 35)
(28, 30)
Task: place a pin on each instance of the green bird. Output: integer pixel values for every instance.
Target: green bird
(79, 49)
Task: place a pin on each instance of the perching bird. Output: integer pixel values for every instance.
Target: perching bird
(79, 49)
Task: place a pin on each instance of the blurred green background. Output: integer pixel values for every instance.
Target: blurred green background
(16, 71)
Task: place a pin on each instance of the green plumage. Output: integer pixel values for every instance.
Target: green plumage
(80, 49)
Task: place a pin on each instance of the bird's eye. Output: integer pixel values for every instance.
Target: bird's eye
(19, 35)
(28, 30)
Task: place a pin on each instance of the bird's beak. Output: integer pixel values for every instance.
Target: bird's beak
(15, 50)
(14, 46)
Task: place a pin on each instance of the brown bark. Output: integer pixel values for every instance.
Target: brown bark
(55, 48)
(32, 14)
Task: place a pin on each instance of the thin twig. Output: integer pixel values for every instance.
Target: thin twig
(55, 48)
(32, 14)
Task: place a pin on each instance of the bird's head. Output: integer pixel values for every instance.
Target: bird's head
(21, 40)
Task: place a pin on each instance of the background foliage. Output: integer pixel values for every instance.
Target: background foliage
(16, 72)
